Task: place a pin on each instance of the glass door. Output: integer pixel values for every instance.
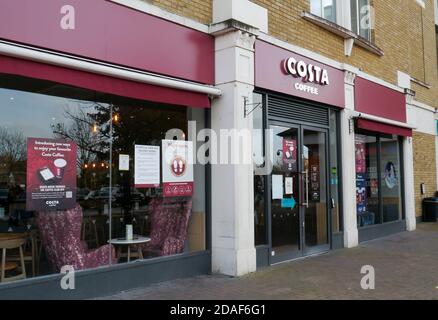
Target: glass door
(285, 195)
(298, 208)
(315, 193)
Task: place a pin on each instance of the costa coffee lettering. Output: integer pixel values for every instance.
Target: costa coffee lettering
(308, 72)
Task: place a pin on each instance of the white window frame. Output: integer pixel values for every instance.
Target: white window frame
(436, 12)
(358, 19)
(320, 14)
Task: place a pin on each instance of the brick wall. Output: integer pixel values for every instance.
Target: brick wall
(199, 10)
(399, 25)
(424, 167)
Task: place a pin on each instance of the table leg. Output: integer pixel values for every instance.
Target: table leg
(33, 244)
(140, 253)
(129, 253)
(119, 252)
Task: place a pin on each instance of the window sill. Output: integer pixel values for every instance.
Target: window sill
(342, 32)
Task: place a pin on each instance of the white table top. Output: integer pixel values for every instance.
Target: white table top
(135, 240)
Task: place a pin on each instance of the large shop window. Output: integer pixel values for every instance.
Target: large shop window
(88, 180)
(378, 179)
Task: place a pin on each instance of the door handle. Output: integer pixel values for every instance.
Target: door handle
(306, 183)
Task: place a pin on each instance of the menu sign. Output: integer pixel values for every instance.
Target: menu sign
(51, 174)
(177, 168)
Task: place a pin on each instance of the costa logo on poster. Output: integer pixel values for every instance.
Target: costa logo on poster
(308, 73)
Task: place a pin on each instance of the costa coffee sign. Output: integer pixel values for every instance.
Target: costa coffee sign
(308, 74)
(283, 71)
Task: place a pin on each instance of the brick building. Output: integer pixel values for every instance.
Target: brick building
(339, 97)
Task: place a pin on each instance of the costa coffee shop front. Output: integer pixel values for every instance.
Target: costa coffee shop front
(95, 143)
(340, 155)
(94, 149)
(298, 205)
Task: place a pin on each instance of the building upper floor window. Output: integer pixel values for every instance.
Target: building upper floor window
(360, 18)
(324, 8)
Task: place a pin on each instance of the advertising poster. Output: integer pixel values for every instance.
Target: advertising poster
(360, 155)
(290, 155)
(147, 166)
(177, 167)
(361, 196)
(51, 174)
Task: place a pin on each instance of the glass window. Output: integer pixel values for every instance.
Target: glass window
(259, 180)
(95, 162)
(360, 18)
(390, 184)
(367, 186)
(378, 179)
(324, 8)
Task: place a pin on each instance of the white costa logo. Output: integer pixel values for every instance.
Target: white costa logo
(308, 72)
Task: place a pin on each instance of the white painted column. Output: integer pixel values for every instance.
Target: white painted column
(235, 25)
(411, 221)
(233, 249)
(351, 235)
(408, 158)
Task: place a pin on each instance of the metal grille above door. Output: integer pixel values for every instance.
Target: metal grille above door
(297, 111)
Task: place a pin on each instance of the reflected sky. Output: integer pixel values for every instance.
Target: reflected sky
(34, 114)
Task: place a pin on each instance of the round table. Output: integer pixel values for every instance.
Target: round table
(120, 242)
(12, 236)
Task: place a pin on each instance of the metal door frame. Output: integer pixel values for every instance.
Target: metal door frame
(303, 251)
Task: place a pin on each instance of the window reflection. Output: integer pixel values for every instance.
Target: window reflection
(390, 185)
(108, 202)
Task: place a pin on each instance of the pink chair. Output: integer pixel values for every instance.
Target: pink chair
(61, 232)
(169, 224)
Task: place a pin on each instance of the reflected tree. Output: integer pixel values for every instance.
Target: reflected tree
(12, 151)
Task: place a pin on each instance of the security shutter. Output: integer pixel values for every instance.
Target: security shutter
(297, 111)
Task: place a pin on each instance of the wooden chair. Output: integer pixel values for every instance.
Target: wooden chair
(10, 244)
(31, 252)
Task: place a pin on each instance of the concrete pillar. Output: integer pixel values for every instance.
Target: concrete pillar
(233, 248)
(409, 192)
(351, 235)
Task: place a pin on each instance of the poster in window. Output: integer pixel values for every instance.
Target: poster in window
(361, 196)
(390, 176)
(360, 155)
(177, 167)
(290, 155)
(147, 166)
(50, 174)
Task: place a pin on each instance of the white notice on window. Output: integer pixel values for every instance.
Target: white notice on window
(289, 185)
(277, 186)
(147, 166)
(123, 162)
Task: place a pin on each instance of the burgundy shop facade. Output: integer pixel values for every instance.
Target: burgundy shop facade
(328, 124)
(112, 87)
(298, 206)
(383, 160)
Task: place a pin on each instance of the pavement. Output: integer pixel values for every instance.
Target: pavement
(405, 264)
